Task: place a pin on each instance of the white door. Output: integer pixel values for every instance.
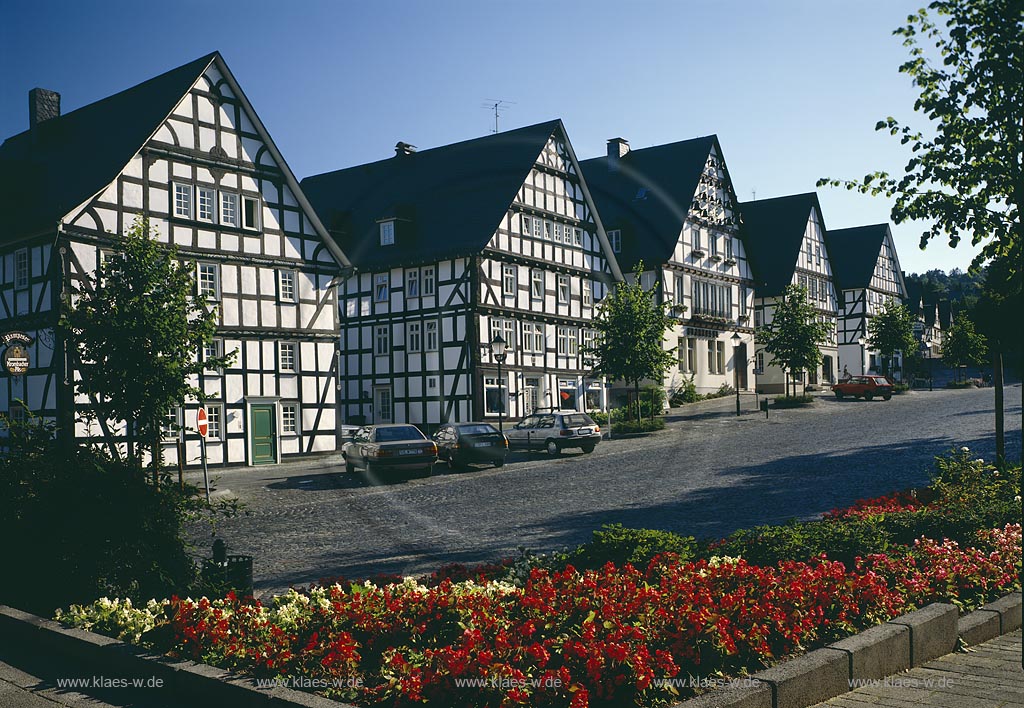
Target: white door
(382, 405)
(531, 395)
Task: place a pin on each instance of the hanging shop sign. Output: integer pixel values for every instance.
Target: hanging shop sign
(16, 352)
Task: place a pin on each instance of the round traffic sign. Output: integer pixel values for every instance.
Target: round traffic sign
(201, 422)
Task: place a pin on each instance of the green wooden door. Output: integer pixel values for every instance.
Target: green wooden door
(264, 442)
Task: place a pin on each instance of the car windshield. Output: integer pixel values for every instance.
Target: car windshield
(577, 420)
(477, 429)
(405, 432)
(880, 381)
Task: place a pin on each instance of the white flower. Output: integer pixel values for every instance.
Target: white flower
(965, 449)
(980, 460)
(1017, 499)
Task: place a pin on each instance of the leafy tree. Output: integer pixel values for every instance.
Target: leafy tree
(963, 345)
(136, 328)
(891, 331)
(967, 176)
(794, 335)
(630, 331)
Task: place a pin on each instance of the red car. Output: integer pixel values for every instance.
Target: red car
(866, 386)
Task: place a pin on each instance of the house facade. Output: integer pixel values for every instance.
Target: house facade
(187, 151)
(454, 246)
(673, 209)
(868, 275)
(787, 245)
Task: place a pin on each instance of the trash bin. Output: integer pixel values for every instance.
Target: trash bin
(226, 572)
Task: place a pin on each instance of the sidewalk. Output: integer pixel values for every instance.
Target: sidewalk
(986, 676)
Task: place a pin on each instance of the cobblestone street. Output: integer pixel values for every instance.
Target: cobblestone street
(709, 473)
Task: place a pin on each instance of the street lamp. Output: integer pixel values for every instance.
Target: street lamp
(736, 366)
(863, 367)
(499, 354)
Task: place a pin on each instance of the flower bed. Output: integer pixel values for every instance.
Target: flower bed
(564, 636)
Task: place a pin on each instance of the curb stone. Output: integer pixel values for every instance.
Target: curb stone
(884, 650)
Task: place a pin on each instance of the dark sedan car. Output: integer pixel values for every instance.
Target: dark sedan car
(463, 443)
(378, 448)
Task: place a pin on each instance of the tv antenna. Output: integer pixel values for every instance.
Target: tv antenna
(497, 105)
(753, 194)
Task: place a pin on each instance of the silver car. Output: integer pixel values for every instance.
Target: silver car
(554, 432)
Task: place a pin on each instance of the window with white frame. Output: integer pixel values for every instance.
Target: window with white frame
(509, 280)
(382, 340)
(615, 238)
(214, 419)
(728, 248)
(589, 337)
(558, 233)
(577, 237)
(413, 337)
(566, 341)
(170, 427)
(213, 349)
(428, 281)
(713, 242)
(21, 270)
(588, 293)
(380, 287)
(495, 395)
(536, 284)
(533, 337)
(679, 289)
(206, 199)
(716, 356)
(290, 418)
(228, 209)
(412, 283)
(183, 200)
(538, 227)
(547, 230)
(208, 279)
(759, 361)
(688, 354)
(758, 318)
(286, 357)
(743, 299)
(695, 237)
(250, 213)
(507, 330)
(387, 233)
(710, 299)
(525, 221)
(286, 285)
(17, 413)
(430, 337)
(563, 290)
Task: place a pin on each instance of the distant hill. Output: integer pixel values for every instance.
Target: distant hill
(957, 286)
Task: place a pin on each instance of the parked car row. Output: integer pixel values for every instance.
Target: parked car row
(404, 448)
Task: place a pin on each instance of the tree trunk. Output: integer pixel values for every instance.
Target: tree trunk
(997, 383)
(155, 452)
(636, 390)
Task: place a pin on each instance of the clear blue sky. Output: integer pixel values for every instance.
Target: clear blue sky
(793, 88)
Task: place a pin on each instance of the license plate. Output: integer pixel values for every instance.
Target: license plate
(409, 452)
(585, 431)
(482, 444)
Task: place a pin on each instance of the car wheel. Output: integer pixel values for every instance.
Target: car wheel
(499, 463)
(886, 398)
(839, 395)
(868, 396)
(553, 449)
(587, 449)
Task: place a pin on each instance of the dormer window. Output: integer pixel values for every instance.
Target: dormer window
(387, 233)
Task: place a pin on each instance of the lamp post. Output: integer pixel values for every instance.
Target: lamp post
(499, 354)
(863, 353)
(736, 367)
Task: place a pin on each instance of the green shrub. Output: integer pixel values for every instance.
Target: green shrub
(960, 384)
(621, 545)
(792, 401)
(723, 391)
(900, 388)
(78, 525)
(646, 425)
(686, 393)
(599, 417)
(839, 540)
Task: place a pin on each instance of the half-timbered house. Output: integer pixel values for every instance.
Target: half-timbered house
(786, 242)
(454, 246)
(187, 150)
(673, 208)
(931, 319)
(867, 275)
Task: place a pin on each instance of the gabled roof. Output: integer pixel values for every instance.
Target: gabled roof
(447, 201)
(66, 160)
(48, 171)
(772, 232)
(854, 253)
(648, 194)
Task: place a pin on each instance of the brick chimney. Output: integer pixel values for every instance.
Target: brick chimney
(43, 105)
(617, 148)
